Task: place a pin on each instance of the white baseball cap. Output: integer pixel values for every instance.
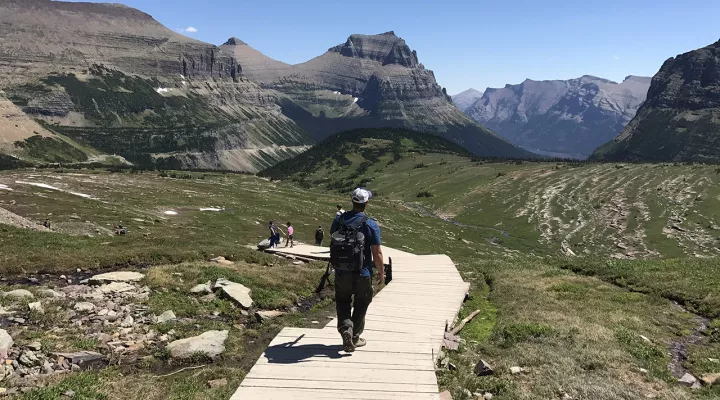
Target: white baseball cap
(361, 195)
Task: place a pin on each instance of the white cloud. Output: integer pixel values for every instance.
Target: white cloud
(189, 29)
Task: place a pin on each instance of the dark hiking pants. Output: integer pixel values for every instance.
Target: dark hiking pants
(353, 294)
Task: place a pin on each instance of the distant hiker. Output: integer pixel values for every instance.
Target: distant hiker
(319, 236)
(340, 211)
(289, 238)
(119, 230)
(46, 224)
(354, 248)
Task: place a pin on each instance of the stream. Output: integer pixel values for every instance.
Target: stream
(678, 347)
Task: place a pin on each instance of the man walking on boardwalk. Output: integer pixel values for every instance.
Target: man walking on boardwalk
(354, 249)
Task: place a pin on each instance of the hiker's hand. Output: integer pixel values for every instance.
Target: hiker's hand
(381, 278)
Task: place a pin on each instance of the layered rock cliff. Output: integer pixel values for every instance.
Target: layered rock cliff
(680, 120)
(565, 118)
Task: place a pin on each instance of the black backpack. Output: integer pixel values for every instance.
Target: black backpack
(347, 246)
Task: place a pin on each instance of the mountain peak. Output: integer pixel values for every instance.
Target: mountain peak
(386, 48)
(233, 41)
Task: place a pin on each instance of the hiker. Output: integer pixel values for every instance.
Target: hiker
(274, 234)
(119, 230)
(46, 224)
(340, 211)
(289, 238)
(319, 236)
(354, 248)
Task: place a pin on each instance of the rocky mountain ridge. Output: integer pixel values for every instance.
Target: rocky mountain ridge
(570, 117)
(112, 79)
(680, 119)
(467, 98)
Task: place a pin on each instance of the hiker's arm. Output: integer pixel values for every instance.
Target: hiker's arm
(379, 262)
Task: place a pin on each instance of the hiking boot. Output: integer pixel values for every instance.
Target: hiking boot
(347, 339)
(359, 342)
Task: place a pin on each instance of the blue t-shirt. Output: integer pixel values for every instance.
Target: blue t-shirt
(372, 238)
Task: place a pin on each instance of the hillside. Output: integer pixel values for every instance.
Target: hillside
(341, 161)
(561, 117)
(680, 121)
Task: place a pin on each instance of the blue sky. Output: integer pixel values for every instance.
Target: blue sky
(468, 43)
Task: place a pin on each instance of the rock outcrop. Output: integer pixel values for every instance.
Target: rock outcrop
(210, 344)
(680, 120)
(565, 118)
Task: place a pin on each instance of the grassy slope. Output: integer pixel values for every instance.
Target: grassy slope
(577, 334)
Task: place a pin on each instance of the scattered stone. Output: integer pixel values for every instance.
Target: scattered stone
(28, 359)
(6, 342)
(646, 339)
(128, 322)
(445, 395)
(710, 379)
(75, 290)
(19, 294)
(211, 343)
(315, 322)
(4, 312)
(35, 346)
(265, 244)
(687, 380)
(119, 276)
(167, 316)
(208, 298)
(714, 360)
(84, 306)
(103, 312)
(263, 316)
(517, 370)
(47, 368)
(69, 393)
(221, 260)
(487, 396)
(51, 293)
(82, 359)
(238, 293)
(217, 383)
(643, 370)
(37, 307)
(451, 366)
(202, 288)
(20, 321)
(483, 369)
(116, 288)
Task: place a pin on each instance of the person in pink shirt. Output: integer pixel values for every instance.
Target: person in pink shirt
(290, 236)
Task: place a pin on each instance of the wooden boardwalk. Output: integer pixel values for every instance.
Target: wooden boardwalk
(404, 329)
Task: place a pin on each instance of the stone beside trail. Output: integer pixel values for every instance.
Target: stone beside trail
(119, 276)
(210, 343)
(235, 292)
(19, 294)
(6, 342)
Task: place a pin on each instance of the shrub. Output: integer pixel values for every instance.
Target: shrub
(512, 334)
(425, 194)
(420, 165)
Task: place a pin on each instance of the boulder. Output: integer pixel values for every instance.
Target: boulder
(687, 380)
(221, 260)
(83, 359)
(37, 307)
(217, 383)
(19, 294)
(517, 370)
(115, 288)
(265, 244)
(238, 294)
(203, 288)
(483, 369)
(29, 359)
(263, 316)
(128, 322)
(119, 276)
(35, 346)
(167, 316)
(6, 342)
(210, 343)
(84, 306)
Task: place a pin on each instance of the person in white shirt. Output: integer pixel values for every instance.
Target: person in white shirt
(340, 211)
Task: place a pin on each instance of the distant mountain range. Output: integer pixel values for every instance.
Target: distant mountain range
(464, 100)
(85, 81)
(568, 118)
(680, 120)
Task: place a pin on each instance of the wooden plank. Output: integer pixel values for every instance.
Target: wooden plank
(342, 385)
(245, 393)
(326, 373)
(331, 347)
